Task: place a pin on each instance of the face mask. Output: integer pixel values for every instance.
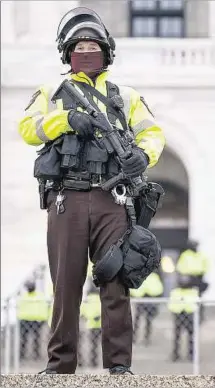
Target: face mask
(91, 63)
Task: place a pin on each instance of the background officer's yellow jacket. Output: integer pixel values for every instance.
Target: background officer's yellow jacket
(32, 306)
(192, 263)
(167, 264)
(45, 121)
(91, 311)
(183, 300)
(152, 286)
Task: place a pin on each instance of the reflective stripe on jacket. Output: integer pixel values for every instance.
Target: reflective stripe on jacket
(32, 306)
(152, 286)
(182, 300)
(192, 263)
(46, 121)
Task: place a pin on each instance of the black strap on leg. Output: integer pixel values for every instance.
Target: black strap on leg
(130, 211)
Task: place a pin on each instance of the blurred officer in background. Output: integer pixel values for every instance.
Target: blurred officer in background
(167, 265)
(195, 264)
(167, 274)
(152, 287)
(80, 214)
(91, 312)
(182, 305)
(190, 268)
(32, 313)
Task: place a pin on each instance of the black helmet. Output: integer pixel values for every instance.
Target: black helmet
(184, 281)
(83, 24)
(30, 285)
(192, 244)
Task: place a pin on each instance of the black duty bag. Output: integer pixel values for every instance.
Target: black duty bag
(47, 165)
(133, 258)
(141, 256)
(107, 268)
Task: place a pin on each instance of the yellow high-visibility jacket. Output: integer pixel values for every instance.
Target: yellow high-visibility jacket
(45, 120)
(152, 286)
(32, 306)
(167, 264)
(192, 263)
(183, 300)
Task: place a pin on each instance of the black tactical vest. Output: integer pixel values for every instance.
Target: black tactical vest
(68, 154)
(77, 155)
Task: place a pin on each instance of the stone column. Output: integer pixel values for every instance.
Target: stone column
(212, 19)
(197, 18)
(43, 18)
(7, 22)
(202, 188)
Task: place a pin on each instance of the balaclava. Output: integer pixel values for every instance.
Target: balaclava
(91, 63)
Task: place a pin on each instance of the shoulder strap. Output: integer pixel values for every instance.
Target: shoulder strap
(82, 87)
(112, 111)
(117, 103)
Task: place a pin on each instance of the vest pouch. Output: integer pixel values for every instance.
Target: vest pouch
(113, 168)
(70, 152)
(47, 165)
(96, 158)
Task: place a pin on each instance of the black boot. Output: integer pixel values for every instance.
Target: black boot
(120, 370)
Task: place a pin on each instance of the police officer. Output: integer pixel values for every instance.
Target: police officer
(89, 217)
(195, 264)
(182, 305)
(32, 313)
(152, 287)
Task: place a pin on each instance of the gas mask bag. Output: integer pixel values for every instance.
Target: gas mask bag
(132, 258)
(141, 256)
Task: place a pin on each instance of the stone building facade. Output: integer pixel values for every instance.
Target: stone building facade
(177, 78)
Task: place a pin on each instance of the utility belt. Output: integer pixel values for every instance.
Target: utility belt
(80, 181)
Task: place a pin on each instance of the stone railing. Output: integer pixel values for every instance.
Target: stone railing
(182, 52)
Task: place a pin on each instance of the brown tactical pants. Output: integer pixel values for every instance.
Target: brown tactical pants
(91, 220)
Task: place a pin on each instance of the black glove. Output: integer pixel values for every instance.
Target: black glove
(136, 164)
(81, 123)
(100, 122)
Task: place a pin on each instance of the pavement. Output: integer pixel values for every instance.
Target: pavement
(106, 381)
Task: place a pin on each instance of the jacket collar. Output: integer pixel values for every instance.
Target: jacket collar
(82, 77)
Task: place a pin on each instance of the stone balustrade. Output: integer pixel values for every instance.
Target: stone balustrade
(157, 61)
